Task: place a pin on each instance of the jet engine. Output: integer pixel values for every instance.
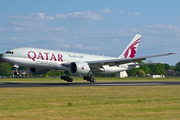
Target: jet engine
(38, 70)
(79, 68)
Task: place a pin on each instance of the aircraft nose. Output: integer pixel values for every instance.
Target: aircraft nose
(3, 57)
(7, 58)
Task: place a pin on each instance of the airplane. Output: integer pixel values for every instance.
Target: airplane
(40, 61)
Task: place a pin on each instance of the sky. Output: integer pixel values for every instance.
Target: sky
(101, 27)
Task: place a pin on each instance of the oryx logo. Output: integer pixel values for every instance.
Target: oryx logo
(131, 51)
(82, 68)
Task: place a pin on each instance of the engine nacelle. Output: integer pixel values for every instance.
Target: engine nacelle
(80, 68)
(38, 70)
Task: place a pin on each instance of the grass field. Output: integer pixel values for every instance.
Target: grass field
(86, 103)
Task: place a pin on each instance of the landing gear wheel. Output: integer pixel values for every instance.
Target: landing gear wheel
(71, 80)
(88, 78)
(62, 77)
(94, 80)
(66, 78)
(91, 80)
(85, 77)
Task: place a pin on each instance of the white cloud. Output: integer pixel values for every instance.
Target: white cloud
(38, 15)
(33, 16)
(19, 38)
(87, 15)
(50, 18)
(135, 13)
(60, 29)
(79, 16)
(119, 11)
(106, 10)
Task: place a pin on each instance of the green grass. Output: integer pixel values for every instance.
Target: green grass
(86, 103)
(89, 103)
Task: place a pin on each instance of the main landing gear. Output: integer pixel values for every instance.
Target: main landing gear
(90, 79)
(66, 78)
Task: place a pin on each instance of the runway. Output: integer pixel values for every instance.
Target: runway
(74, 84)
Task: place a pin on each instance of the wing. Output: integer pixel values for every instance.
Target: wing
(113, 62)
(97, 65)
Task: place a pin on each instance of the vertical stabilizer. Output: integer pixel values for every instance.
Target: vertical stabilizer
(131, 49)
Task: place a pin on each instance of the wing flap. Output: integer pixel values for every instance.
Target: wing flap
(144, 64)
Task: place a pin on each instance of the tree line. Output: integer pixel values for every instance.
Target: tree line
(143, 70)
(153, 69)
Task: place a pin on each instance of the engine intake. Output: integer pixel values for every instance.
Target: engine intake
(80, 68)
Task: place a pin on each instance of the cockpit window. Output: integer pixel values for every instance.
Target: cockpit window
(10, 52)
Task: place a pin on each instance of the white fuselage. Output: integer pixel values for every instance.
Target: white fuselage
(51, 59)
